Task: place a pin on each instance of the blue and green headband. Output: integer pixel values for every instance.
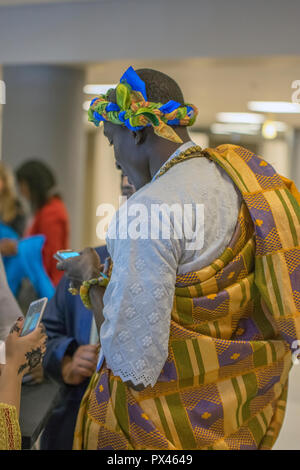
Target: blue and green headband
(134, 111)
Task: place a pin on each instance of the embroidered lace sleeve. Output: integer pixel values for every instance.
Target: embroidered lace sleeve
(137, 306)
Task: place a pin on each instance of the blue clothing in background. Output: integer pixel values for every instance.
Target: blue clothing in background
(68, 324)
(27, 263)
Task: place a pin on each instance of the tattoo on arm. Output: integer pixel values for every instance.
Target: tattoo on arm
(15, 328)
(34, 358)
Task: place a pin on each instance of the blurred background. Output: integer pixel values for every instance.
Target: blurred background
(238, 62)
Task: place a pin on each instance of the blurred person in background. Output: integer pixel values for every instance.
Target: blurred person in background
(50, 218)
(22, 355)
(70, 360)
(11, 212)
(9, 308)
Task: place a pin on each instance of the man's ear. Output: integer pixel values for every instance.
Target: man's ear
(139, 136)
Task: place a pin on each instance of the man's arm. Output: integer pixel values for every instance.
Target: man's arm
(59, 342)
(138, 302)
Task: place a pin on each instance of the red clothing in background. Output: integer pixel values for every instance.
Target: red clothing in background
(52, 221)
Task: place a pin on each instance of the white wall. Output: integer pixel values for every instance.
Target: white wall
(105, 184)
(276, 152)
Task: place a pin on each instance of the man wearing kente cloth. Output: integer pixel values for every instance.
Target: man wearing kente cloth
(198, 331)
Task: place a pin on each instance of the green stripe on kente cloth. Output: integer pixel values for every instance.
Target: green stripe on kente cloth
(274, 355)
(215, 267)
(182, 292)
(239, 399)
(243, 293)
(262, 322)
(183, 363)
(259, 353)
(199, 360)
(250, 383)
(289, 216)
(248, 255)
(121, 409)
(275, 284)
(256, 430)
(181, 422)
(184, 308)
(219, 160)
(260, 281)
(226, 256)
(262, 414)
(216, 325)
(294, 203)
(163, 419)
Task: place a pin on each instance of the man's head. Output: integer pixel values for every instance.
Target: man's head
(134, 149)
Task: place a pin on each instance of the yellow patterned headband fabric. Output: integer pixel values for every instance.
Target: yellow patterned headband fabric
(134, 111)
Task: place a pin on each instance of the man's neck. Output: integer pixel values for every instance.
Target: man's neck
(163, 149)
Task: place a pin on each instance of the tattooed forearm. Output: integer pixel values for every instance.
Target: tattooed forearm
(34, 358)
(21, 368)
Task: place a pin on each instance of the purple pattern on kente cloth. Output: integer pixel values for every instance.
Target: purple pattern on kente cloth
(226, 278)
(263, 170)
(292, 335)
(267, 218)
(205, 413)
(168, 372)
(248, 447)
(102, 395)
(211, 304)
(269, 385)
(292, 259)
(138, 417)
(251, 331)
(235, 352)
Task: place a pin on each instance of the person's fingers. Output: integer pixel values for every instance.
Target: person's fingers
(17, 327)
(87, 365)
(68, 264)
(88, 347)
(61, 265)
(84, 372)
(38, 335)
(88, 357)
(42, 328)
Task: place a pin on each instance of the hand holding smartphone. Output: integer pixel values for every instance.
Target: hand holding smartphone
(62, 255)
(34, 316)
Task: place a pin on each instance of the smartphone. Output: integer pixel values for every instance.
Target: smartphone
(34, 316)
(62, 255)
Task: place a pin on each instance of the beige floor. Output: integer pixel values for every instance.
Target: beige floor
(289, 437)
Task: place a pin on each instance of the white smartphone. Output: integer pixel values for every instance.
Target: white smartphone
(62, 255)
(34, 316)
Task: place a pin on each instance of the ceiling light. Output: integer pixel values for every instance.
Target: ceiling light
(86, 105)
(269, 130)
(249, 118)
(274, 106)
(280, 126)
(97, 89)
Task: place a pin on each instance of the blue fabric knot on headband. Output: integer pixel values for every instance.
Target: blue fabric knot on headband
(136, 83)
(112, 107)
(169, 107)
(121, 116)
(98, 117)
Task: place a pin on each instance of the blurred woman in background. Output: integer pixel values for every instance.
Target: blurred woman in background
(50, 218)
(11, 212)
